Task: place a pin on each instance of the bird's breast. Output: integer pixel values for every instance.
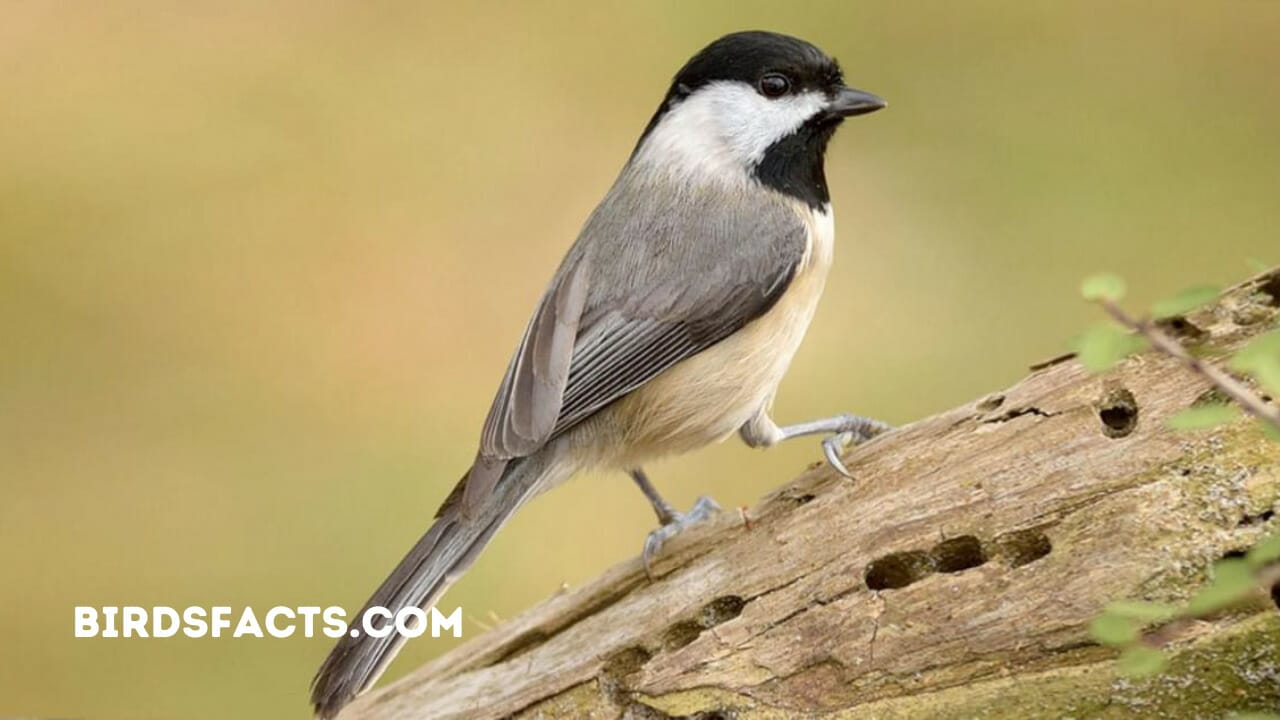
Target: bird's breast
(709, 396)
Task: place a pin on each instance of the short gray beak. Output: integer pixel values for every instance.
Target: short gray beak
(849, 102)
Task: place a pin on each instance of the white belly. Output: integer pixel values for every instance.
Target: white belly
(709, 396)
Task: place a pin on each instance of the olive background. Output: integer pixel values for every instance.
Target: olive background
(262, 266)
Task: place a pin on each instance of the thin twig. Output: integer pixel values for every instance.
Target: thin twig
(1161, 634)
(1231, 387)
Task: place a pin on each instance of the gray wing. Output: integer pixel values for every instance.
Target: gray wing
(641, 290)
(524, 413)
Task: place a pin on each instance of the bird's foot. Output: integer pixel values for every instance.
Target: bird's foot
(848, 430)
(841, 431)
(703, 509)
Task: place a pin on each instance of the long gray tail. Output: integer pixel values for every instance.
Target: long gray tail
(437, 560)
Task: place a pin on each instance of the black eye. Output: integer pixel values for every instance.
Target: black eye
(774, 85)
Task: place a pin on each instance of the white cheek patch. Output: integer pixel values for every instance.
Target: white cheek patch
(750, 122)
(726, 126)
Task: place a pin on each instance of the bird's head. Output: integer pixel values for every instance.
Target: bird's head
(752, 104)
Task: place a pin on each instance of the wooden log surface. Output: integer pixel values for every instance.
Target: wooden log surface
(954, 577)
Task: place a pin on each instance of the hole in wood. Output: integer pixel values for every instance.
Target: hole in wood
(1270, 287)
(1118, 411)
(956, 554)
(1182, 328)
(1021, 547)
(1258, 519)
(898, 570)
(626, 661)
(681, 634)
(722, 609)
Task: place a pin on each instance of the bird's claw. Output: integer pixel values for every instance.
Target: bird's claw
(854, 430)
(703, 509)
(831, 447)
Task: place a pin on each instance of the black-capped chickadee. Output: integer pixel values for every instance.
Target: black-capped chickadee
(668, 325)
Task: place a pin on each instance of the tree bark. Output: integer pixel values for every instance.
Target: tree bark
(954, 577)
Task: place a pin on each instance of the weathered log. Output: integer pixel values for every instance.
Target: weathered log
(954, 577)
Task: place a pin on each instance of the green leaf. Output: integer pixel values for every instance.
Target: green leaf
(1141, 610)
(1186, 301)
(1103, 286)
(1141, 661)
(1104, 345)
(1253, 716)
(1233, 570)
(1265, 552)
(1232, 581)
(1113, 630)
(1260, 350)
(1201, 417)
(1261, 359)
(1268, 376)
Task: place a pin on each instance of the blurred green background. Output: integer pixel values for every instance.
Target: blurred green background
(262, 264)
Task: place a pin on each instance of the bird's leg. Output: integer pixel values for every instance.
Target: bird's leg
(665, 512)
(841, 430)
(671, 522)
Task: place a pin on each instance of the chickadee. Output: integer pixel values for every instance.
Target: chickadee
(669, 323)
